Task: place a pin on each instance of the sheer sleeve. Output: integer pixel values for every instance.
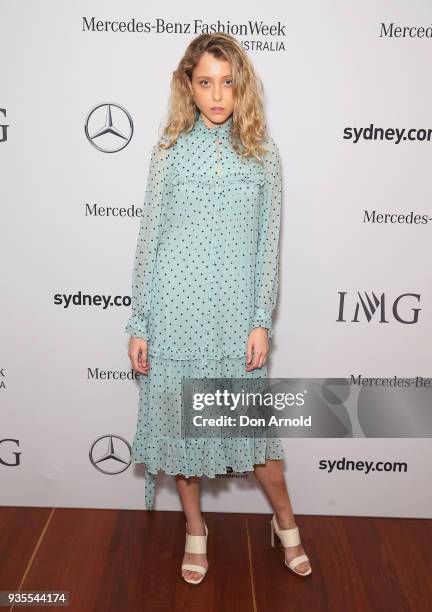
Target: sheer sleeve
(148, 238)
(267, 259)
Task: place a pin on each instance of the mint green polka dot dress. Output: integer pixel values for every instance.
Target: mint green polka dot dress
(205, 274)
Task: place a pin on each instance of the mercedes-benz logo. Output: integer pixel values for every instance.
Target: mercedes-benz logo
(109, 124)
(105, 455)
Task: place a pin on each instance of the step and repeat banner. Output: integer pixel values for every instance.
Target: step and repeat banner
(83, 96)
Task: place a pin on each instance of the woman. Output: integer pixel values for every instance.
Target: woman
(205, 282)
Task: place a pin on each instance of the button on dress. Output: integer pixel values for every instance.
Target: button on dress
(206, 272)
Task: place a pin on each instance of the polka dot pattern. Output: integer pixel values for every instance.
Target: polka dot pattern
(205, 273)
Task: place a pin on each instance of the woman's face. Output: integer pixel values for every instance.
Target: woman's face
(212, 89)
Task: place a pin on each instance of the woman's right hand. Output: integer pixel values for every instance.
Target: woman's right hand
(138, 354)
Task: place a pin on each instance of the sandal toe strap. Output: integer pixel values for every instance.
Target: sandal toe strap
(294, 562)
(194, 568)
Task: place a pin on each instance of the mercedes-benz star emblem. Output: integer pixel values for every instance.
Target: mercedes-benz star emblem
(109, 124)
(104, 454)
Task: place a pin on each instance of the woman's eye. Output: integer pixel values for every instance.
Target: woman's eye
(205, 82)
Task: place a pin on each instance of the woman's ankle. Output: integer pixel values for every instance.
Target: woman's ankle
(285, 520)
(195, 526)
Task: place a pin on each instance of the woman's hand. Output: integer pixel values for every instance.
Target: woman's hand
(258, 344)
(138, 354)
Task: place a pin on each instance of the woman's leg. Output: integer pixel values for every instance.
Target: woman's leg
(272, 479)
(189, 492)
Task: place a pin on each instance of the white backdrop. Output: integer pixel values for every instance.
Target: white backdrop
(65, 377)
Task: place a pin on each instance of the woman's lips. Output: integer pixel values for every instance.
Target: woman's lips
(217, 109)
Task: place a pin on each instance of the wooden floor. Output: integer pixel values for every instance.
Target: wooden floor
(121, 560)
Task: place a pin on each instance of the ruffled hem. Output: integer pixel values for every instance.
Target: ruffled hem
(201, 457)
(158, 442)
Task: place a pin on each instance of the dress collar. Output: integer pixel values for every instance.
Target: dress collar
(219, 130)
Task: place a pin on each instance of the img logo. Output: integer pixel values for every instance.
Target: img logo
(9, 456)
(3, 127)
(365, 307)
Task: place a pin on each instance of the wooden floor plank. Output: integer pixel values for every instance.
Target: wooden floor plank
(123, 560)
(358, 564)
(19, 532)
(130, 560)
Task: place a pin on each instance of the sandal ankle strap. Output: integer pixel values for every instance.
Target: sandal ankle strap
(197, 543)
(288, 537)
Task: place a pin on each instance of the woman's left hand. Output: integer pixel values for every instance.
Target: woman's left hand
(258, 347)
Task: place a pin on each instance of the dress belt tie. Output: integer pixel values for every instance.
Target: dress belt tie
(150, 488)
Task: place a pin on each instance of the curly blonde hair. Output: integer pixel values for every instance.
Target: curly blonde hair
(248, 129)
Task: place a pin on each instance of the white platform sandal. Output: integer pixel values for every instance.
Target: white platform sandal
(288, 538)
(195, 544)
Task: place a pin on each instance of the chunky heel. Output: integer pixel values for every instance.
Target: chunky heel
(288, 538)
